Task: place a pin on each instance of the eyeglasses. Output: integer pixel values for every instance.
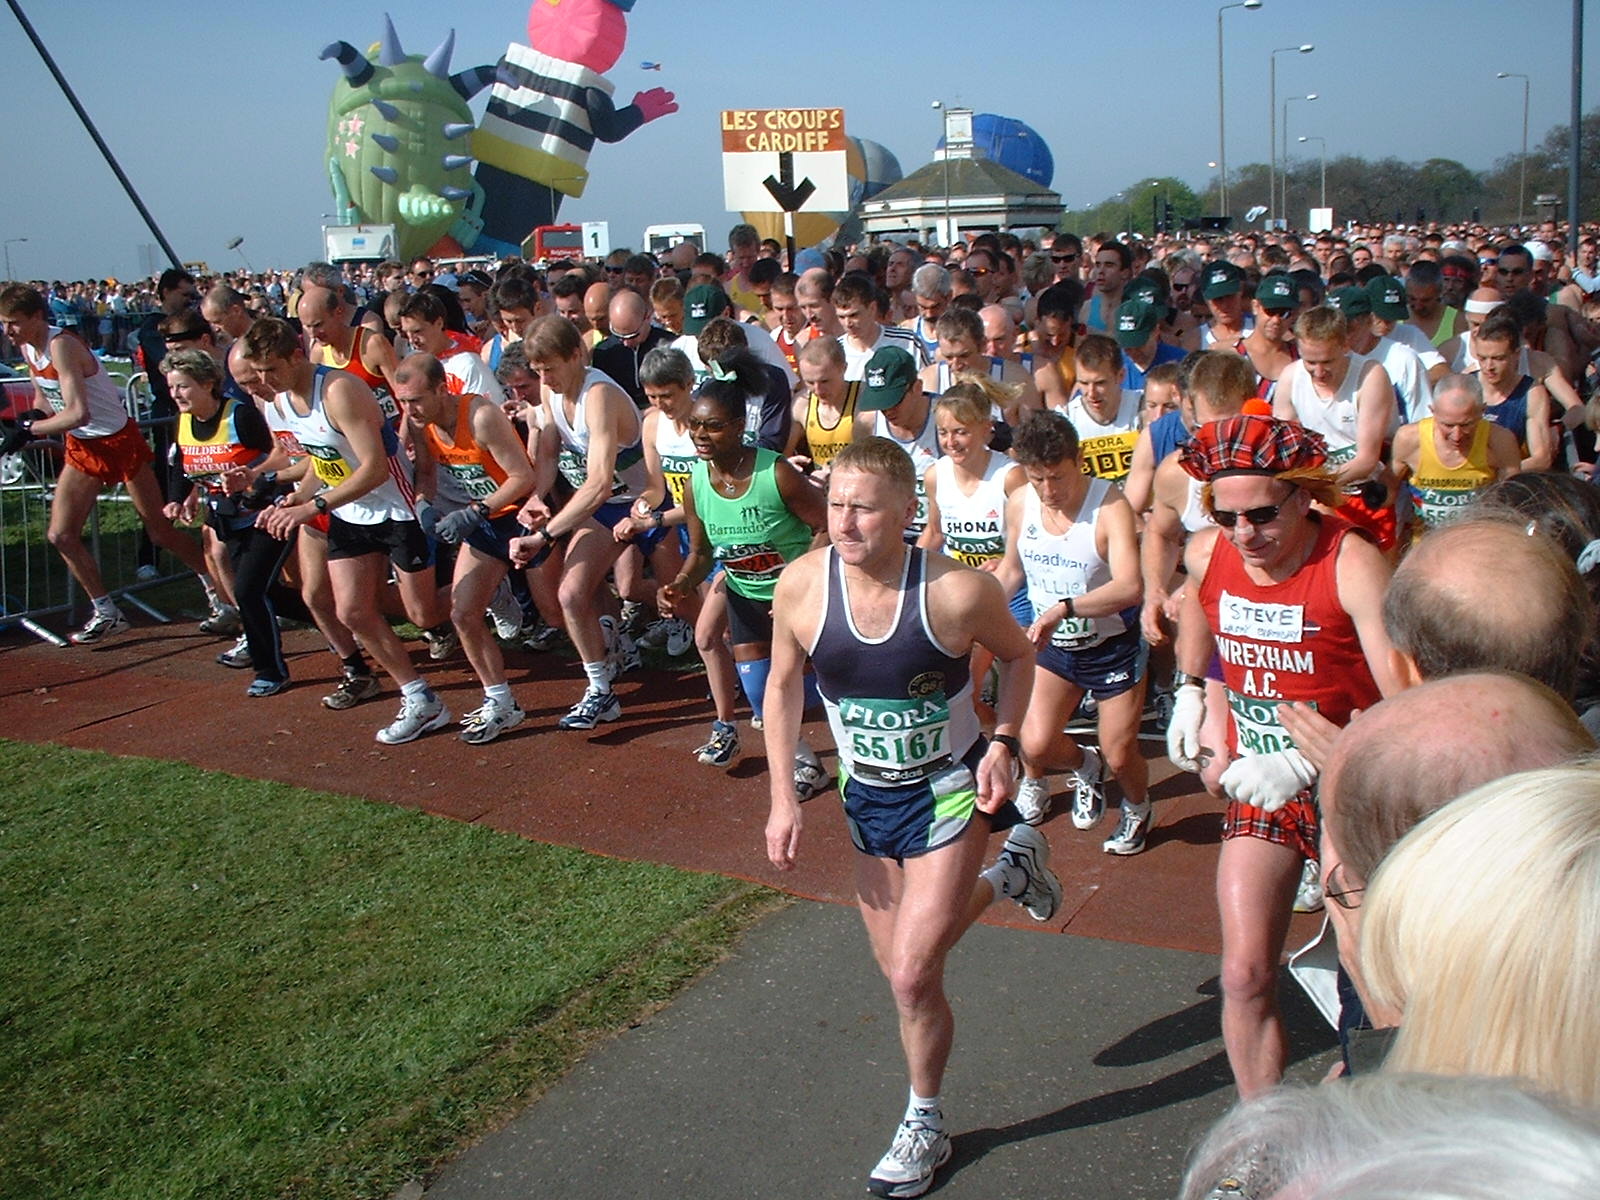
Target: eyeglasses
(1063, 258)
(1265, 515)
(1338, 892)
(711, 426)
(977, 271)
(422, 274)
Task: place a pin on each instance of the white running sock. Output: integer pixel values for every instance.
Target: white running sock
(104, 606)
(925, 1109)
(599, 674)
(500, 693)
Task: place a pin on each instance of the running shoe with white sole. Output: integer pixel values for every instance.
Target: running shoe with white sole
(810, 779)
(544, 637)
(1308, 896)
(918, 1150)
(355, 687)
(505, 613)
(237, 655)
(418, 715)
(1088, 786)
(442, 642)
(1132, 829)
(721, 748)
(680, 639)
(1033, 799)
(223, 621)
(621, 652)
(100, 627)
(1027, 850)
(595, 708)
(489, 721)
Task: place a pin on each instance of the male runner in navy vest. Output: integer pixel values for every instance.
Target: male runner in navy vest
(889, 629)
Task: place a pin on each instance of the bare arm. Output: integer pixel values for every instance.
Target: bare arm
(793, 601)
(74, 363)
(1141, 473)
(494, 431)
(1375, 414)
(1505, 456)
(1162, 546)
(1541, 444)
(1195, 644)
(932, 536)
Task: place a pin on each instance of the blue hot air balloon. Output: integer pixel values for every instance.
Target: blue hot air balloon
(882, 168)
(1014, 145)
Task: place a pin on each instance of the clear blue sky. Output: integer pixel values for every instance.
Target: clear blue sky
(218, 113)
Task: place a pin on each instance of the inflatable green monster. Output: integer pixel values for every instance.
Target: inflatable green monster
(396, 135)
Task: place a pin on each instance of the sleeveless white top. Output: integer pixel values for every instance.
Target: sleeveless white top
(334, 459)
(1058, 565)
(974, 526)
(629, 474)
(106, 413)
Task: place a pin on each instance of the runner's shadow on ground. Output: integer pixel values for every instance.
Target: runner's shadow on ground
(1197, 829)
(1309, 1036)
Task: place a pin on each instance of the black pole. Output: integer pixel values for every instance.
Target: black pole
(1575, 156)
(105, 150)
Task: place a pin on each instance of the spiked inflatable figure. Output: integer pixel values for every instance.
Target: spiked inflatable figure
(551, 103)
(397, 143)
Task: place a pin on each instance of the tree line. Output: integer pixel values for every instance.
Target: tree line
(1367, 190)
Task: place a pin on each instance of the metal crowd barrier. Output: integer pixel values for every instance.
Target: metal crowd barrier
(34, 581)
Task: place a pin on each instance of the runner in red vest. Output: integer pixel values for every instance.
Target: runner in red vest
(1290, 602)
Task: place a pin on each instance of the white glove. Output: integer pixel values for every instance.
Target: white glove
(1183, 731)
(1268, 781)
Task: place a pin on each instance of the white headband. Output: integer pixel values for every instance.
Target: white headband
(1482, 306)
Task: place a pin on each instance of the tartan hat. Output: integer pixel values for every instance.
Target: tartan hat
(1250, 445)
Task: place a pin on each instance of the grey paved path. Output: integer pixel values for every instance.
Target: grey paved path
(1082, 1069)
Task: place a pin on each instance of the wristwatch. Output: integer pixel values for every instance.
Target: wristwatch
(479, 507)
(1072, 610)
(657, 519)
(1009, 742)
(1184, 679)
(320, 502)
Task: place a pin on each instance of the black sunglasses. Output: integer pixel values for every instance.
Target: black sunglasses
(1063, 258)
(1264, 515)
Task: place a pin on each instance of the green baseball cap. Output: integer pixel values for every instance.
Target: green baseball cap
(1351, 301)
(1221, 279)
(1147, 289)
(703, 304)
(1388, 298)
(890, 372)
(1136, 321)
(1278, 293)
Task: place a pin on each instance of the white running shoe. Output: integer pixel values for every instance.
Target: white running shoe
(721, 748)
(810, 779)
(505, 612)
(1132, 829)
(100, 627)
(1027, 850)
(1308, 897)
(223, 621)
(594, 708)
(918, 1150)
(489, 721)
(418, 715)
(237, 655)
(1088, 790)
(1033, 799)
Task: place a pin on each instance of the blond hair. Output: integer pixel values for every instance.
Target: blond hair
(1482, 927)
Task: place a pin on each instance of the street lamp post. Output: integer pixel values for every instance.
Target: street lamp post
(1522, 179)
(944, 239)
(8, 256)
(1322, 196)
(1222, 124)
(1286, 103)
(1272, 118)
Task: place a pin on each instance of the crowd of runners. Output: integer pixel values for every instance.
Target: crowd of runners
(990, 508)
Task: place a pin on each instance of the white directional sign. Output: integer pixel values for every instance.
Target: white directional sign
(784, 160)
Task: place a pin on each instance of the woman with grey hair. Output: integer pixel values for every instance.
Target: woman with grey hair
(1396, 1137)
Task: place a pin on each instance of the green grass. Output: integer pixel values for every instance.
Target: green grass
(217, 987)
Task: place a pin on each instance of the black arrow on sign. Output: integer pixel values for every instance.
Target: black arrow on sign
(784, 190)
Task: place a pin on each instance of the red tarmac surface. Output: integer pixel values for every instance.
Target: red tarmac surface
(631, 789)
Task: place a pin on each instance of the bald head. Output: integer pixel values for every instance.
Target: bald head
(815, 282)
(1458, 396)
(597, 306)
(997, 323)
(1383, 778)
(629, 313)
(1482, 594)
